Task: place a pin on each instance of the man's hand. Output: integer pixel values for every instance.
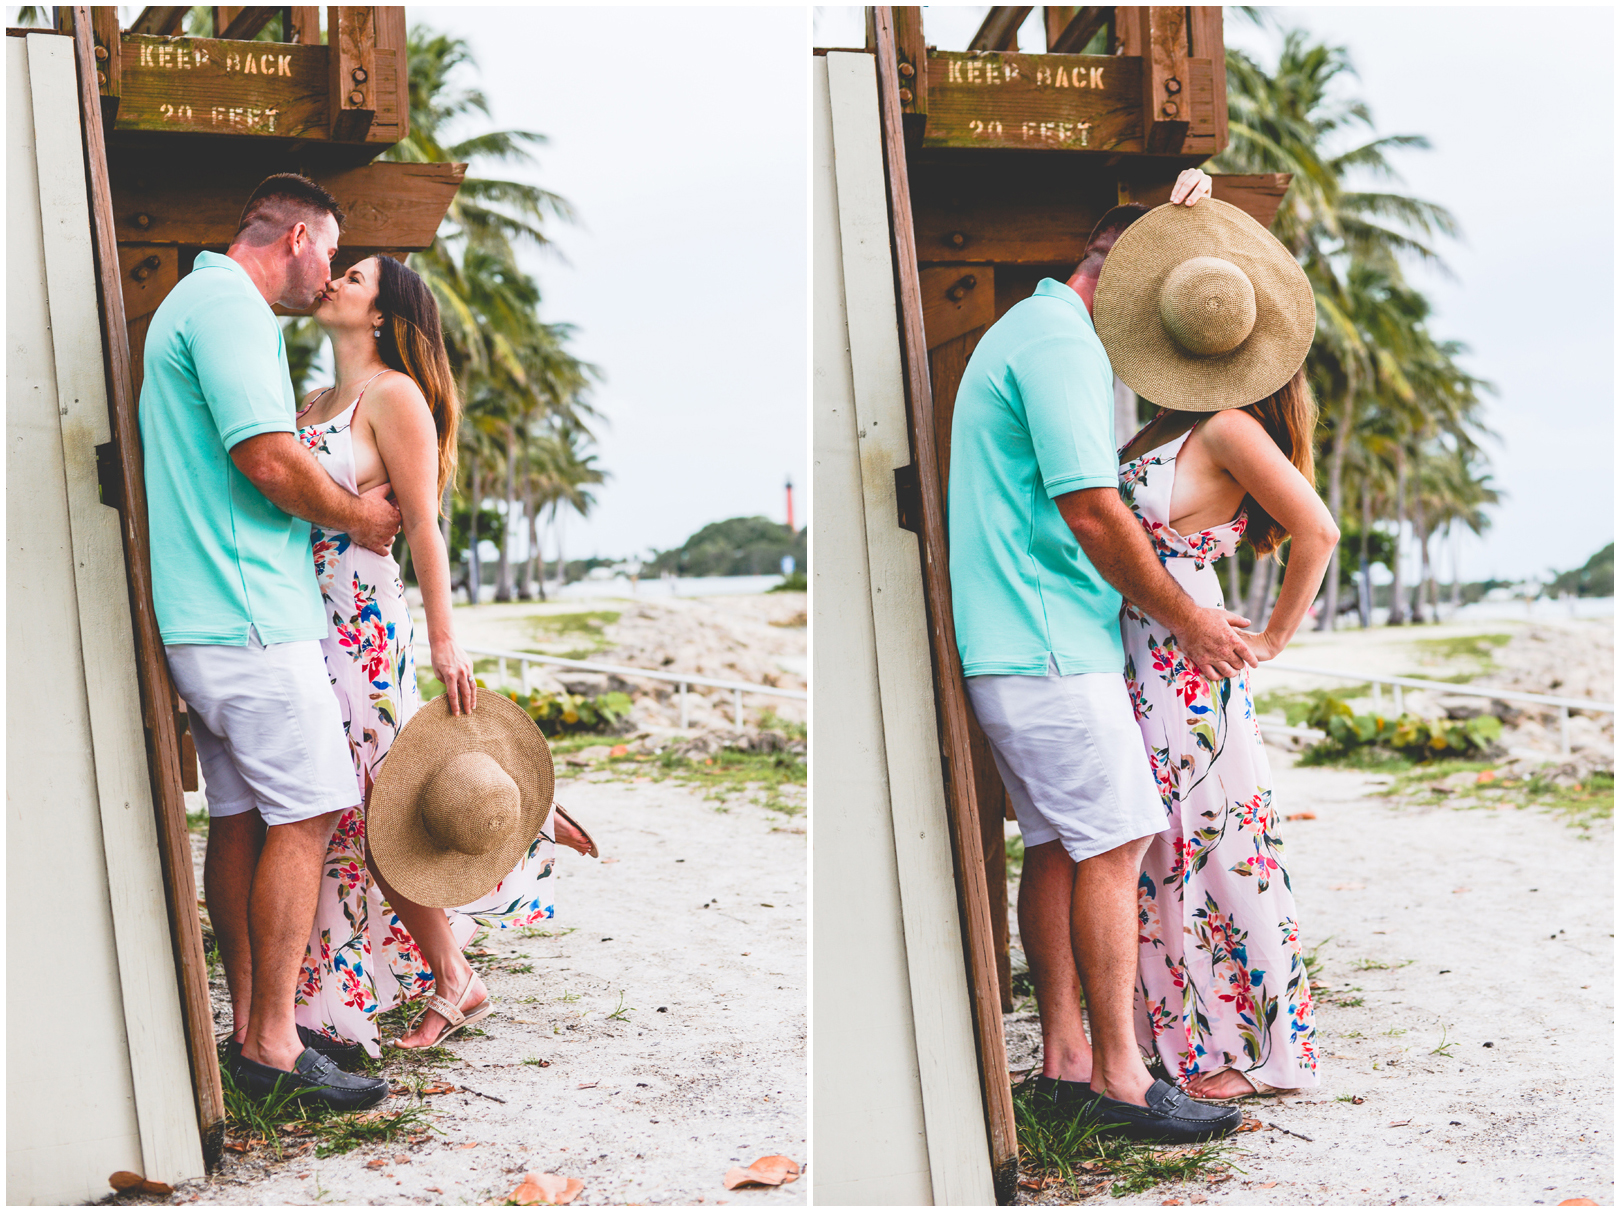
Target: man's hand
(1211, 641)
(378, 520)
(1192, 187)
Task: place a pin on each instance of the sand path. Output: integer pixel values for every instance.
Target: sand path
(701, 924)
(1499, 926)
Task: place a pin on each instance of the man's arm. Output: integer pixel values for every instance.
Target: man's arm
(1113, 540)
(294, 481)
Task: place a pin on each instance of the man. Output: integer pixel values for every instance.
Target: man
(1041, 550)
(230, 494)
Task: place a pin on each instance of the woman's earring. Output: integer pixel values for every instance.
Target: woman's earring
(376, 332)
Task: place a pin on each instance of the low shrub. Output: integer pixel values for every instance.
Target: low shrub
(1409, 735)
(559, 713)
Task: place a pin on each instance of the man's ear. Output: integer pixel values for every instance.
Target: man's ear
(297, 237)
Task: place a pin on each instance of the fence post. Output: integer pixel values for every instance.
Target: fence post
(1563, 730)
(737, 699)
(1378, 695)
(683, 704)
(523, 675)
(1400, 701)
(500, 666)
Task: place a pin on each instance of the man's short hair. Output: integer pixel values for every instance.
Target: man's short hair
(279, 202)
(1106, 232)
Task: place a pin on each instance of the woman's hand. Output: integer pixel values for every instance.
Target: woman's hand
(1265, 647)
(451, 666)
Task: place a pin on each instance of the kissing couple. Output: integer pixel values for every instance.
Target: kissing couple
(1110, 680)
(338, 883)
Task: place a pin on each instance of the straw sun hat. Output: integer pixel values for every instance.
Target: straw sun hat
(459, 800)
(1200, 308)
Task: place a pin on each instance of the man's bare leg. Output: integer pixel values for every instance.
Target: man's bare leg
(234, 843)
(281, 913)
(1104, 927)
(452, 974)
(1045, 891)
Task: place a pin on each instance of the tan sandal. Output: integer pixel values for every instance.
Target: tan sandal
(1260, 1090)
(590, 846)
(454, 1018)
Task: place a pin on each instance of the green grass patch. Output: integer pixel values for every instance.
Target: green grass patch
(1373, 965)
(1053, 1143)
(1478, 649)
(1015, 858)
(728, 772)
(586, 625)
(344, 1133)
(794, 730)
(197, 822)
(1581, 805)
(540, 932)
(1296, 705)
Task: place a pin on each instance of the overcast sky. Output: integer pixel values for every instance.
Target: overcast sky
(680, 135)
(1519, 106)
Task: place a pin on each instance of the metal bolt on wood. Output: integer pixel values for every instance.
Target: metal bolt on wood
(907, 70)
(359, 75)
(905, 96)
(1170, 109)
(957, 239)
(357, 97)
(101, 54)
(143, 221)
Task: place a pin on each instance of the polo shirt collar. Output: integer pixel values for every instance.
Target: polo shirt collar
(214, 260)
(1062, 290)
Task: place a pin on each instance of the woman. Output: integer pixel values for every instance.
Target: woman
(1225, 998)
(391, 418)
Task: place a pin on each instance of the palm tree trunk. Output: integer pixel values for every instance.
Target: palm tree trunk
(1397, 588)
(503, 578)
(1234, 580)
(533, 548)
(475, 579)
(1335, 501)
(1454, 541)
(1259, 590)
(1420, 533)
(1364, 589)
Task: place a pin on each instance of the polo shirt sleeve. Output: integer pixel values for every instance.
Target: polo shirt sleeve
(236, 350)
(1067, 391)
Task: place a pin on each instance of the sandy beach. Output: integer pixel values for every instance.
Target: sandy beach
(1466, 1019)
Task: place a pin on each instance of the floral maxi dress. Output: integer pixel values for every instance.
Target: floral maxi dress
(360, 960)
(1222, 982)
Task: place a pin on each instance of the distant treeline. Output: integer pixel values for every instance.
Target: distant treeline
(737, 547)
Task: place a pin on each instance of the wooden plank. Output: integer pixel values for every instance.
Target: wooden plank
(389, 205)
(304, 26)
(956, 299)
(211, 86)
(140, 852)
(1077, 32)
(1021, 220)
(244, 24)
(951, 696)
(393, 120)
(109, 59)
(351, 41)
(164, 22)
(1034, 102)
(999, 30)
(1208, 42)
(942, 1034)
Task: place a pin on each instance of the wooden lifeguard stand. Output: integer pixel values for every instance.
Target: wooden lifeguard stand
(143, 146)
(996, 164)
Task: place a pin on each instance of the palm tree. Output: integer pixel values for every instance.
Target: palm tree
(1284, 121)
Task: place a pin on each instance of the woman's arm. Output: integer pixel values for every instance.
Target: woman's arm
(1239, 444)
(408, 445)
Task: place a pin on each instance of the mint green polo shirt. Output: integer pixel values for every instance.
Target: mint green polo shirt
(1034, 419)
(224, 559)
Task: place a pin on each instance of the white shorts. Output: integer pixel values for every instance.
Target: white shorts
(267, 727)
(1072, 758)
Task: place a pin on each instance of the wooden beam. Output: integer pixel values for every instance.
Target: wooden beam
(1034, 102)
(1080, 29)
(109, 59)
(246, 23)
(304, 26)
(174, 840)
(163, 22)
(956, 299)
(999, 31)
(351, 43)
(1027, 217)
(979, 944)
(389, 205)
(1161, 33)
(1209, 45)
(912, 52)
(393, 120)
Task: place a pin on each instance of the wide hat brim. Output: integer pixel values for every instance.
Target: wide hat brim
(1144, 354)
(405, 852)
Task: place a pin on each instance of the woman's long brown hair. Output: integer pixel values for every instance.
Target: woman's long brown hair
(412, 341)
(1289, 416)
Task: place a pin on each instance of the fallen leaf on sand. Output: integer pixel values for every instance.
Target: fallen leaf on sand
(618, 751)
(1577, 1203)
(1249, 1125)
(376, 1163)
(479, 951)
(402, 1159)
(1268, 1184)
(1357, 1101)
(1300, 816)
(587, 1085)
(1400, 1123)
(124, 1180)
(234, 1147)
(472, 1144)
(1335, 887)
(1458, 890)
(546, 1189)
(437, 1190)
(770, 1171)
(1171, 1203)
(439, 1088)
(1485, 776)
(152, 1187)
(606, 861)
(1032, 1184)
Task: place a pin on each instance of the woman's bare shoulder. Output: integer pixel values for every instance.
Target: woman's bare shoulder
(396, 395)
(1232, 430)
